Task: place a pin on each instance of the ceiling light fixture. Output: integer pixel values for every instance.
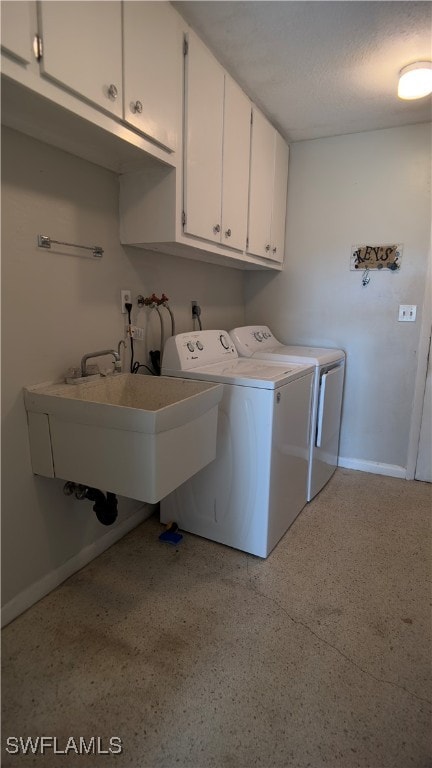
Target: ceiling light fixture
(415, 80)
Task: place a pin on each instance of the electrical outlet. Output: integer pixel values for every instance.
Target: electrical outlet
(126, 298)
(407, 313)
(196, 309)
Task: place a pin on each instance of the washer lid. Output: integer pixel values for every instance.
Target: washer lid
(246, 373)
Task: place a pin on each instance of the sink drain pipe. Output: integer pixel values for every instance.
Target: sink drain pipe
(105, 507)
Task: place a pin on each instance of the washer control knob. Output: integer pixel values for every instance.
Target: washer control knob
(258, 335)
(224, 341)
(199, 345)
(190, 346)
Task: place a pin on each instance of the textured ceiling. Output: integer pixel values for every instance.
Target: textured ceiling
(319, 68)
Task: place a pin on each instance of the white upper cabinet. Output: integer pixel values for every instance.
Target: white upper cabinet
(280, 184)
(125, 58)
(204, 99)
(261, 185)
(82, 49)
(113, 82)
(217, 141)
(235, 167)
(17, 30)
(153, 62)
(268, 190)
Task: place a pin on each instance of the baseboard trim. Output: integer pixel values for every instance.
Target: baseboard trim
(41, 588)
(375, 467)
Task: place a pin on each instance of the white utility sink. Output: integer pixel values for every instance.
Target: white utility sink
(137, 436)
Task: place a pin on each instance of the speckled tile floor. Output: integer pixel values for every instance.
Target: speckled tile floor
(205, 657)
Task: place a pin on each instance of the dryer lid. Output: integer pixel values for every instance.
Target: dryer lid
(258, 341)
(317, 356)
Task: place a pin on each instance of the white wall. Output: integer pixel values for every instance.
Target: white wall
(56, 307)
(361, 188)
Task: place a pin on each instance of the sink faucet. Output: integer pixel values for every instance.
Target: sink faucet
(116, 356)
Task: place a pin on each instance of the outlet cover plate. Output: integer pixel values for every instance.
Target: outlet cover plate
(407, 313)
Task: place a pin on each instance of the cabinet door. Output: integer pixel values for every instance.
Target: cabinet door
(82, 49)
(261, 185)
(235, 169)
(153, 62)
(204, 92)
(16, 29)
(279, 198)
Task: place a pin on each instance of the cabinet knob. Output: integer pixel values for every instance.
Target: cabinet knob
(274, 249)
(112, 91)
(137, 107)
(228, 233)
(216, 229)
(267, 247)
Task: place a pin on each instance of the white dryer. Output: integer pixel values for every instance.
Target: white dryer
(258, 342)
(251, 493)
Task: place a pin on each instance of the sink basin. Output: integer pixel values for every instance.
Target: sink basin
(138, 436)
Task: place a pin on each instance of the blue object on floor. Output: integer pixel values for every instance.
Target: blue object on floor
(170, 534)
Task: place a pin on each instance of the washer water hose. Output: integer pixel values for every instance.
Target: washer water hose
(105, 507)
(155, 306)
(164, 301)
(154, 302)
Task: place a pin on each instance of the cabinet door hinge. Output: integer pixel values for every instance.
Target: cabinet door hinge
(251, 116)
(183, 219)
(185, 47)
(247, 243)
(37, 47)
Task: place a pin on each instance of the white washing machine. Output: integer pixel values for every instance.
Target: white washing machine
(258, 342)
(251, 493)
